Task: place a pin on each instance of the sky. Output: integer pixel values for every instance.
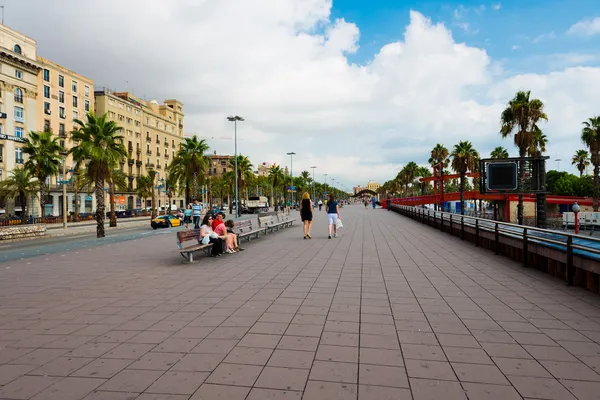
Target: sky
(356, 88)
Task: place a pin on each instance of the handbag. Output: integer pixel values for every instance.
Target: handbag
(339, 224)
(206, 239)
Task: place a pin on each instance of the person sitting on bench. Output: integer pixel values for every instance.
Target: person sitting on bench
(207, 235)
(221, 230)
(229, 226)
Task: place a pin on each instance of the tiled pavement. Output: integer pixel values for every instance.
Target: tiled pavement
(389, 310)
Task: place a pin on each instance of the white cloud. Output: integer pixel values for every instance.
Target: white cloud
(496, 6)
(283, 66)
(543, 36)
(586, 27)
(516, 47)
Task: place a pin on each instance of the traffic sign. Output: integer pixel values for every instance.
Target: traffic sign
(291, 187)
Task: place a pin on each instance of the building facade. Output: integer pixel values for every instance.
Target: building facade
(264, 168)
(153, 133)
(219, 164)
(63, 96)
(19, 71)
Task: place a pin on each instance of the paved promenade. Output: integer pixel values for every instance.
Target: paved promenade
(390, 310)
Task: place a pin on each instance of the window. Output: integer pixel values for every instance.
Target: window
(18, 74)
(19, 156)
(61, 112)
(128, 108)
(18, 131)
(17, 49)
(18, 95)
(46, 125)
(61, 97)
(147, 121)
(19, 114)
(75, 114)
(74, 86)
(47, 92)
(46, 75)
(61, 81)
(121, 106)
(74, 101)
(86, 105)
(62, 143)
(47, 108)
(61, 129)
(121, 117)
(111, 114)
(86, 91)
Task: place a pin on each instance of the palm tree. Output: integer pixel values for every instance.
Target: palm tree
(439, 159)
(104, 147)
(423, 172)
(536, 149)
(143, 188)
(44, 159)
(410, 170)
(244, 169)
(21, 184)
(276, 176)
(79, 158)
(464, 157)
(189, 165)
(118, 179)
(522, 115)
(581, 160)
(499, 152)
(590, 135)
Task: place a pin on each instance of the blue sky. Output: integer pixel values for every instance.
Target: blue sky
(537, 27)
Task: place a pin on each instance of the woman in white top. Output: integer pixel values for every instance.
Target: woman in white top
(206, 230)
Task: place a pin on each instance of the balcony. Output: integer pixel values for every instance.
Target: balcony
(138, 163)
(148, 138)
(62, 134)
(158, 166)
(19, 161)
(157, 141)
(18, 99)
(130, 177)
(166, 144)
(149, 152)
(138, 152)
(130, 161)
(19, 119)
(149, 165)
(166, 156)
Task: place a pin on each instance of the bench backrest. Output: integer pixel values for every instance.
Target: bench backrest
(267, 221)
(283, 217)
(243, 226)
(184, 236)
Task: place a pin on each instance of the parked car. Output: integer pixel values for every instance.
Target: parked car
(165, 221)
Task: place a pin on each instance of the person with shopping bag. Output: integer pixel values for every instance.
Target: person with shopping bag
(333, 215)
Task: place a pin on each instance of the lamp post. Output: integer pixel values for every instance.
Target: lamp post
(64, 182)
(292, 154)
(313, 183)
(237, 200)
(576, 210)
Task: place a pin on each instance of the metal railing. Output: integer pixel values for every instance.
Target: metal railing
(571, 244)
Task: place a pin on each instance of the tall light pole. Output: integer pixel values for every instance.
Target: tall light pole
(325, 184)
(313, 185)
(237, 200)
(64, 187)
(292, 154)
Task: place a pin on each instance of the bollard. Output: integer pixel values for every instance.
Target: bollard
(496, 239)
(525, 248)
(476, 233)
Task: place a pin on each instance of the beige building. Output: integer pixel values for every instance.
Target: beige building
(264, 168)
(152, 132)
(19, 71)
(219, 164)
(63, 96)
(373, 186)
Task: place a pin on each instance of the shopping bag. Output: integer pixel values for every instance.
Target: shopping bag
(206, 239)
(338, 224)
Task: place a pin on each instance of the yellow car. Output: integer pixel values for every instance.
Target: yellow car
(165, 221)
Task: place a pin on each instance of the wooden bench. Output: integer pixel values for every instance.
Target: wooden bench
(244, 230)
(188, 236)
(285, 220)
(269, 224)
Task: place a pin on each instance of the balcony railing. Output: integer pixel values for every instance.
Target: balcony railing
(158, 166)
(149, 152)
(138, 163)
(62, 134)
(157, 141)
(19, 161)
(131, 161)
(18, 99)
(149, 165)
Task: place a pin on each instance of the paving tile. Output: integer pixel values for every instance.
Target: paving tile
(11, 372)
(102, 368)
(156, 361)
(70, 388)
(337, 353)
(540, 388)
(334, 372)
(260, 340)
(423, 352)
(291, 359)
(368, 392)
(450, 340)
(272, 394)
(26, 387)
(490, 392)
(215, 346)
(235, 374)
(318, 390)
(178, 382)
(431, 389)
(131, 351)
(521, 367)
(304, 330)
(282, 378)
(154, 396)
(391, 358)
(102, 395)
(379, 341)
(582, 390)
(467, 355)
(571, 370)
(249, 355)
(176, 345)
(340, 339)
(436, 370)
(131, 380)
(198, 362)
(478, 373)
(382, 375)
(61, 366)
(220, 392)
(298, 343)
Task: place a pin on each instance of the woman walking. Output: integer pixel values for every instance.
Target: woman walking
(187, 216)
(306, 213)
(333, 213)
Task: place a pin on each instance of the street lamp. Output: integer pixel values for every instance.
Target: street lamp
(313, 185)
(292, 154)
(237, 200)
(576, 210)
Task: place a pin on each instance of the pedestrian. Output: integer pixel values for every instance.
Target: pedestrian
(306, 214)
(389, 202)
(374, 201)
(187, 216)
(333, 213)
(196, 211)
(320, 204)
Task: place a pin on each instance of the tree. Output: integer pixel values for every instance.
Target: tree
(116, 178)
(410, 171)
(152, 182)
(536, 149)
(439, 160)
(244, 169)
(276, 176)
(464, 157)
(499, 152)
(21, 183)
(189, 166)
(590, 135)
(79, 159)
(581, 160)
(520, 118)
(104, 147)
(44, 161)
(143, 188)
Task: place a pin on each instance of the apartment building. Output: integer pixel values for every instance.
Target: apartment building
(152, 132)
(19, 71)
(219, 164)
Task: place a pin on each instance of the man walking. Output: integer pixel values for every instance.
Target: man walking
(196, 209)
